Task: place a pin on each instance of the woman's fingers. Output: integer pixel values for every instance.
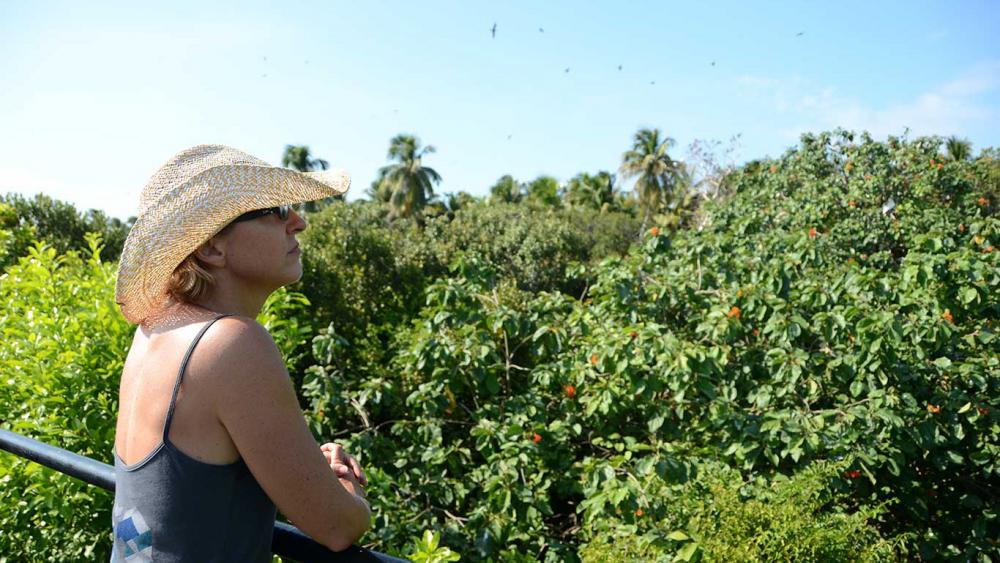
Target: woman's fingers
(335, 455)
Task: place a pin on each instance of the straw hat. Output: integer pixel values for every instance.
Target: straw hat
(190, 199)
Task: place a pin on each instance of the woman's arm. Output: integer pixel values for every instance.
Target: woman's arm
(258, 407)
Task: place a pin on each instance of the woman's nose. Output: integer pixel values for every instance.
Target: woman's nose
(296, 223)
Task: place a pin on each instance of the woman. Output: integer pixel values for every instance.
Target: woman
(209, 435)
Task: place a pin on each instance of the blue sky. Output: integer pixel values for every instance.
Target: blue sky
(95, 96)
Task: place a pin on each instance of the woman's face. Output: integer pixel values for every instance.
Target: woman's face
(263, 252)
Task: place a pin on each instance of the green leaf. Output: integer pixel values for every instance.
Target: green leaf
(678, 535)
(942, 362)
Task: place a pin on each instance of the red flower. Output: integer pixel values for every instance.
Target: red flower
(812, 232)
(638, 512)
(933, 409)
(655, 231)
(939, 166)
(852, 204)
(734, 313)
(946, 315)
(536, 438)
(756, 332)
(593, 359)
(961, 228)
(982, 201)
(570, 391)
(983, 411)
(634, 335)
(853, 474)
(988, 249)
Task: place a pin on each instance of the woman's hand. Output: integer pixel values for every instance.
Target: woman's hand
(343, 464)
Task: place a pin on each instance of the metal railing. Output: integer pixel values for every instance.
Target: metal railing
(288, 541)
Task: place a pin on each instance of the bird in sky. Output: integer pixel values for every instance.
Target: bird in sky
(619, 67)
(541, 30)
(493, 30)
(567, 69)
(652, 83)
(799, 34)
(509, 136)
(713, 63)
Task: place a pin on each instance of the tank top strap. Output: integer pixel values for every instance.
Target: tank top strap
(180, 375)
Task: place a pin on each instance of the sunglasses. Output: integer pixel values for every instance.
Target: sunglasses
(282, 212)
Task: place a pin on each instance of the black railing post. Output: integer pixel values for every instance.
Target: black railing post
(288, 541)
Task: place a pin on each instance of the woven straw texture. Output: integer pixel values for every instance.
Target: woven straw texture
(191, 198)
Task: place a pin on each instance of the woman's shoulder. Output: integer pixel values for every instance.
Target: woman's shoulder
(237, 340)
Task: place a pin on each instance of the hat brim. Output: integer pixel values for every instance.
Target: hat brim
(191, 213)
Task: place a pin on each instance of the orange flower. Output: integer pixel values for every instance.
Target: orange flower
(982, 201)
(536, 438)
(638, 512)
(655, 231)
(988, 249)
(812, 232)
(570, 391)
(593, 359)
(933, 409)
(961, 228)
(734, 313)
(852, 203)
(946, 315)
(939, 166)
(773, 169)
(851, 260)
(756, 332)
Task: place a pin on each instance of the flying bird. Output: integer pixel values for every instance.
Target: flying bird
(652, 83)
(713, 63)
(493, 30)
(540, 30)
(567, 69)
(619, 67)
(799, 34)
(509, 136)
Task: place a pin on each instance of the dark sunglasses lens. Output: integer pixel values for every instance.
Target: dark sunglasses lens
(283, 212)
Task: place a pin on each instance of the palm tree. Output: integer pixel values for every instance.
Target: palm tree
(654, 170)
(298, 158)
(593, 191)
(959, 150)
(544, 191)
(507, 190)
(410, 181)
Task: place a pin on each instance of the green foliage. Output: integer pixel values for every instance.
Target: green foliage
(801, 324)
(720, 517)
(64, 345)
(59, 225)
(427, 550)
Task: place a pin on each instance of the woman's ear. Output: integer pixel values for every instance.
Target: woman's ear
(213, 252)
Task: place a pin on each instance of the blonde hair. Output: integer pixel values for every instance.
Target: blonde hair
(190, 280)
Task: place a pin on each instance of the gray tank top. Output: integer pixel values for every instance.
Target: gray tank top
(171, 507)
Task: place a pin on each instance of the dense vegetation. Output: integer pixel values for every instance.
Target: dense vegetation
(800, 364)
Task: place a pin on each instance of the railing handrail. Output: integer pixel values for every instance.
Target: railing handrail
(288, 541)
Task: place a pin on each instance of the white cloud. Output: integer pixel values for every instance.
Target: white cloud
(951, 108)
